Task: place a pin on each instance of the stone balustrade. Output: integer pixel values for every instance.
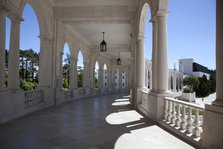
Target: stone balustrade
(81, 92)
(184, 117)
(68, 94)
(33, 98)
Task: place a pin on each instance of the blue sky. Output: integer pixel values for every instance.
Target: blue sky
(190, 28)
(191, 32)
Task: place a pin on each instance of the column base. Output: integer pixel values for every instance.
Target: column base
(87, 91)
(217, 103)
(213, 122)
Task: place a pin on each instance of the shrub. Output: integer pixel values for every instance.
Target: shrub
(191, 81)
(187, 90)
(27, 85)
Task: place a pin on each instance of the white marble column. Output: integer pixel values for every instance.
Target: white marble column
(2, 48)
(100, 78)
(162, 58)
(219, 53)
(45, 61)
(13, 66)
(154, 55)
(61, 70)
(75, 73)
(71, 75)
(141, 62)
(92, 76)
(109, 78)
(86, 75)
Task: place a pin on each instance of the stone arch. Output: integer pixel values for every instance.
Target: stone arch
(105, 75)
(142, 20)
(66, 69)
(171, 82)
(177, 87)
(116, 78)
(96, 74)
(42, 21)
(149, 79)
(80, 69)
(180, 84)
(124, 79)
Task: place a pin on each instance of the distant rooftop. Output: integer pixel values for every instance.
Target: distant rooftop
(199, 68)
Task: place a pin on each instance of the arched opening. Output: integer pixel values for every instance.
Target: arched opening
(180, 84)
(149, 80)
(7, 41)
(177, 87)
(145, 31)
(96, 75)
(105, 74)
(66, 67)
(80, 70)
(29, 49)
(171, 83)
(123, 80)
(116, 79)
(148, 34)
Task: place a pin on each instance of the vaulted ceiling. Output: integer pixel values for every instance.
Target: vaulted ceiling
(89, 18)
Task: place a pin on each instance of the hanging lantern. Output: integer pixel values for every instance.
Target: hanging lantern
(103, 45)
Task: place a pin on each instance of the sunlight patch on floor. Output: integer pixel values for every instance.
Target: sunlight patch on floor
(122, 103)
(123, 117)
(152, 137)
(121, 99)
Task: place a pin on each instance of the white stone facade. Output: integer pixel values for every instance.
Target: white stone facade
(174, 82)
(186, 67)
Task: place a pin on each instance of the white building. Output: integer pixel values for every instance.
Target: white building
(175, 77)
(189, 67)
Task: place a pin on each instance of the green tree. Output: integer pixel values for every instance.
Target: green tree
(28, 68)
(66, 71)
(80, 80)
(192, 82)
(213, 81)
(204, 87)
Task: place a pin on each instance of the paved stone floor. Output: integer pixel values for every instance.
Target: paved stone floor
(103, 122)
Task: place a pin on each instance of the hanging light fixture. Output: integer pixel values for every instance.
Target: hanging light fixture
(118, 61)
(103, 45)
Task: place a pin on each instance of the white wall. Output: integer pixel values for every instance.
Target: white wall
(186, 66)
(200, 74)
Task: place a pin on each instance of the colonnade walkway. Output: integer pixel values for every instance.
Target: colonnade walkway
(102, 122)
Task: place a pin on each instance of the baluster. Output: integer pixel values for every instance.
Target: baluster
(169, 112)
(178, 120)
(197, 128)
(173, 119)
(183, 118)
(189, 121)
(166, 110)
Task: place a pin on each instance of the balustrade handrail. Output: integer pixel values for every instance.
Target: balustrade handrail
(36, 90)
(185, 103)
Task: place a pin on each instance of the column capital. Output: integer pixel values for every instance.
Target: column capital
(139, 38)
(73, 59)
(15, 18)
(153, 20)
(45, 38)
(162, 13)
